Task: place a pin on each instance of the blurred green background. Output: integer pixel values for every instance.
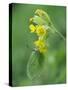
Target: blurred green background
(22, 44)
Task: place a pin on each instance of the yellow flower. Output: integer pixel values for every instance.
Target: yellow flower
(42, 50)
(39, 43)
(40, 30)
(32, 28)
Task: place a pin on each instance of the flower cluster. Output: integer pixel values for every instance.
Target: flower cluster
(41, 31)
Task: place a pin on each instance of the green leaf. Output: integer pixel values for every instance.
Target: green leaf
(35, 65)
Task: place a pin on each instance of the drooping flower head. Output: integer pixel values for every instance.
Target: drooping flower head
(39, 27)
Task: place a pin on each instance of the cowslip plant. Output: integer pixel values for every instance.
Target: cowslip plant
(40, 25)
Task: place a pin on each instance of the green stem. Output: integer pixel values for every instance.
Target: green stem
(29, 63)
(57, 31)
